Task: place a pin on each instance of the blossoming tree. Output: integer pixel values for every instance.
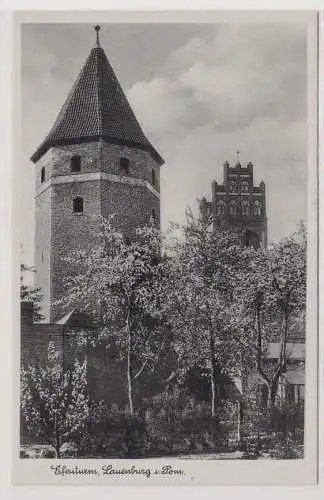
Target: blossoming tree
(55, 401)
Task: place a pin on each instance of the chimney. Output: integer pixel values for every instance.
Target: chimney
(27, 313)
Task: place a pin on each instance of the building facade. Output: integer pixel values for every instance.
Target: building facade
(95, 161)
(238, 202)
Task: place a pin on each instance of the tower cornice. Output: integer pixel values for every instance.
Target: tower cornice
(96, 176)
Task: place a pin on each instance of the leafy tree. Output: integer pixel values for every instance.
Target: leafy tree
(54, 401)
(119, 284)
(30, 293)
(200, 282)
(271, 298)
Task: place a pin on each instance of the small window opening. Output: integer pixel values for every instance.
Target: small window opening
(220, 208)
(124, 165)
(245, 208)
(43, 174)
(257, 209)
(153, 216)
(153, 177)
(233, 209)
(76, 163)
(78, 205)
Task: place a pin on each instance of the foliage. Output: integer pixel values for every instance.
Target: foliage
(112, 432)
(54, 401)
(288, 419)
(208, 300)
(119, 284)
(176, 423)
(200, 281)
(270, 299)
(30, 293)
(257, 419)
(287, 448)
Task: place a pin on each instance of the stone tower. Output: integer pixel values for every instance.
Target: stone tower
(95, 160)
(238, 202)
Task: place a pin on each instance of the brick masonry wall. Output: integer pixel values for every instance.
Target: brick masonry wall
(132, 205)
(34, 342)
(98, 156)
(140, 166)
(59, 231)
(43, 232)
(71, 232)
(106, 375)
(47, 162)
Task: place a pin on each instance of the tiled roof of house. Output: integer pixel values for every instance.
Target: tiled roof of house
(75, 318)
(294, 350)
(96, 108)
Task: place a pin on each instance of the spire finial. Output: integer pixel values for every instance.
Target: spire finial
(97, 29)
(238, 158)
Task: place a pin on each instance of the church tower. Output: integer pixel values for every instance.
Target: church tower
(95, 160)
(239, 203)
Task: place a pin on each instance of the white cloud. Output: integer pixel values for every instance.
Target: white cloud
(232, 87)
(244, 88)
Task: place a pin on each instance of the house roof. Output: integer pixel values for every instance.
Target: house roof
(75, 318)
(95, 108)
(294, 350)
(295, 377)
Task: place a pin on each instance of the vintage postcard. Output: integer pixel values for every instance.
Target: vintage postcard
(166, 173)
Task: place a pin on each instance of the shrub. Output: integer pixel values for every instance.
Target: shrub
(178, 424)
(287, 449)
(111, 432)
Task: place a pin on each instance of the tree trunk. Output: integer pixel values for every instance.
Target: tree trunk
(273, 389)
(57, 439)
(212, 373)
(213, 392)
(129, 367)
(239, 420)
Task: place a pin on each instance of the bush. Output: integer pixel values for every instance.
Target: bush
(68, 450)
(37, 451)
(178, 424)
(111, 432)
(135, 437)
(174, 423)
(286, 450)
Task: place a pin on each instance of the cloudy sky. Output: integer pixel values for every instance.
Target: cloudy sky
(200, 91)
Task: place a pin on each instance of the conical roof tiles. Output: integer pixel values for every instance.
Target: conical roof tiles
(96, 107)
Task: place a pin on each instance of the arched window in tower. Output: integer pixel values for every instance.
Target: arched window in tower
(124, 166)
(153, 177)
(43, 174)
(75, 163)
(233, 208)
(245, 186)
(257, 208)
(251, 239)
(220, 207)
(245, 208)
(78, 205)
(231, 186)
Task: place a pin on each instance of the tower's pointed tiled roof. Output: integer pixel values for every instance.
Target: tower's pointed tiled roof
(96, 108)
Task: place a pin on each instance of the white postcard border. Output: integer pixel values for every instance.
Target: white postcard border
(202, 472)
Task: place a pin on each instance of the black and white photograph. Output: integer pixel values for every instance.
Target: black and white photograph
(167, 239)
